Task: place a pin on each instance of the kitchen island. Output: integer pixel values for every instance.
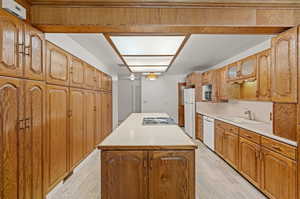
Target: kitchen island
(147, 161)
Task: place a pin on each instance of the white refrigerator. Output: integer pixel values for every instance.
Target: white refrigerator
(189, 111)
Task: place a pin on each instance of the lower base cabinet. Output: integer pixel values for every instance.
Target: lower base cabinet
(278, 175)
(199, 127)
(145, 175)
(230, 148)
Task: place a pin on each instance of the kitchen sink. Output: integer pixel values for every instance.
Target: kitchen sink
(241, 120)
(158, 121)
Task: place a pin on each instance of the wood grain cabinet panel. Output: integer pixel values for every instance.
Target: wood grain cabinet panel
(230, 148)
(284, 67)
(199, 127)
(219, 136)
(11, 46)
(98, 80)
(264, 75)
(249, 162)
(90, 78)
(12, 126)
(34, 54)
(77, 126)
(233, 71)
(222, 84)
(35, 95)
(57, 62)
(125, 174)
(278, 175)
(57, 164)
(90, 120)
(98, 134)
(77, 73)
(163, 181)
(248, 67)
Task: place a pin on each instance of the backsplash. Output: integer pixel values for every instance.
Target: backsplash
(260, 110)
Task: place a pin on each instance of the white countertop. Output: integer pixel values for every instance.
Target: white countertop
(264, 129)
(133, 134)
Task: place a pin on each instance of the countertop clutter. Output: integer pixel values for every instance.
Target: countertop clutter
(132, 133)
(261, 128)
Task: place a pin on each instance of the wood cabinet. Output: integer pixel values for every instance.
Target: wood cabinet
(77, 126)
(106, 82)
(181, 87)
(264, 75)
(222, 84)
(162, 181)
(219, 136)
(34, 49)
(98, 79)
(125, 174)
(57, 65)
(98, 134)
(11, 46)
(152, 174)
(181, 115)
(206, 77)
(90, 120)
(35, 132)
(233, 71)
(106, 100)
(199, 127)
(247, 67)
(90, 77)
(231, 148)
(11, 137)
(22, 115)
(249, 161)
(57, 144)
(278, 175)
(77, 73)
(285, 67)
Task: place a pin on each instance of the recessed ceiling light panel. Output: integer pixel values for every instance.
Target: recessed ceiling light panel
(148, 60)
(147, 45)
(143, 69)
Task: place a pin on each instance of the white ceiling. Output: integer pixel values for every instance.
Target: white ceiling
(199, 53)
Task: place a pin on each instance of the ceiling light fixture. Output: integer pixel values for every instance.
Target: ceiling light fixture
(131, 77)
(151, 76)
(144, 69)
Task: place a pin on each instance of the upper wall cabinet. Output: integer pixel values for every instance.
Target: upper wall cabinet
(34, 54)
(90, 78)
(98, 79)
(77, 73)
(233, 70)
(284, 67)
(11, 46)
(247, 68)
(222, 81)
(206, 77)
(264, 75)
(57, 65)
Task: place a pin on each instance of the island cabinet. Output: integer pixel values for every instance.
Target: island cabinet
(285, 67)
(144, 162)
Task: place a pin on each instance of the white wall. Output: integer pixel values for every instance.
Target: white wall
(71, 46)
(161, 95)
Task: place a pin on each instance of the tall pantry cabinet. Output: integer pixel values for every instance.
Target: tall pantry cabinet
(51, 111)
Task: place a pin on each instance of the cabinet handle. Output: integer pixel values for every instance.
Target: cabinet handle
(21, 124)
(27, 50)
(248, 136)
(27, 123)
(276, 148)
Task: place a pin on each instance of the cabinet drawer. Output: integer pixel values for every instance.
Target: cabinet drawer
(227, 127)
(249, 135)
(284, 149)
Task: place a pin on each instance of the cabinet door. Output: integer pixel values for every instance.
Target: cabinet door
(56, 164)
(181, 115)
(90, 120)
(249, 162)
(57, 62)
(110, 110)
(98, 79)
(284, 66)
(124, 175)
(11, 46)
(104, 112)
(35, 95)
(199, 127)
(163, 175)
(219, 136)
(248, 67)
(230, 148)
(90, 82)
(233, 71)
(77, 71)
(77, 128)
(34, 54)
(98, 134)
(222, 84)
(12, 127)
(264, 75)
(278, 175)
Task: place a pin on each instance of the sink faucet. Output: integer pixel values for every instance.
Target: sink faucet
(249, 113)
